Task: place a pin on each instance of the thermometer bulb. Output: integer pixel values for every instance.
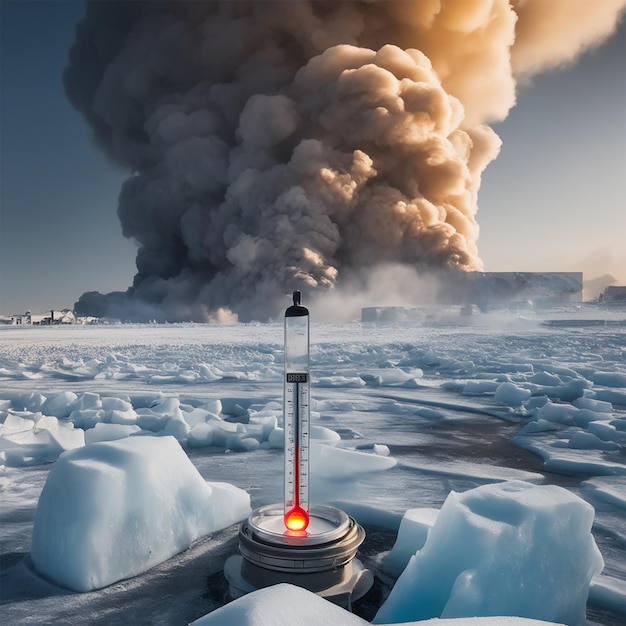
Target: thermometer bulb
(296, 519)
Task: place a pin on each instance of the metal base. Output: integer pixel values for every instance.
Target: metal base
(320, 559)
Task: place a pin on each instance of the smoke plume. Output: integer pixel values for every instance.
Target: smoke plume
(300, 144)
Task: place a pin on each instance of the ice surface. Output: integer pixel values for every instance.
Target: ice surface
(225, 382)
(111, 510)
(483, 554)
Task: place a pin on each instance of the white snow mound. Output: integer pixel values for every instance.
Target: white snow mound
(287, 605)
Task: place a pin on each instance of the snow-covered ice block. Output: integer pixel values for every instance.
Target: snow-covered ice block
(386, 377)
(611, 489)
(619, 423)
(321, 433)
(615, 397)
(42, 443)
(177, 428)
(569, 391)
(112, 403)
(411, 537)
(381, 449)
(511, 394)
(224, 430)
(169, 407)
(583, 417)
(87, 418)
(338, 463)
(110, 432)
(597, 406)
(112, 510)
(536, 402)
(196, 416)
(538, 426)
(237, 407)
(214, 405)
(280, 605)
(261, 424)
(608, 431)
(201, 435)
(588, 441)
(31, 401)
(558, 413)
(16, 424)
(276, 437)
(241, 443)
(60, 404)
(118, 416)
(148, 419)
(477, 387)
(546, 379)
(609, 379)
(341, 381)
(559, 457)
(484, 552)
(88, 400)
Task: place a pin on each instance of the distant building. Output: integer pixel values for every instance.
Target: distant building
(464, 293)
(492, 289)
(614, 294)
(63, 316)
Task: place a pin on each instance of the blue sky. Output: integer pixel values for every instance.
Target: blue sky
(554, 200)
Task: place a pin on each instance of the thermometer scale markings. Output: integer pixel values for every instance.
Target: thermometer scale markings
(297, 405)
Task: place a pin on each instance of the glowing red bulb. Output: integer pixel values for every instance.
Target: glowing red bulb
(296, 519)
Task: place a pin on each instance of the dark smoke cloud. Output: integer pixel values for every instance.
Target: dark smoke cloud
(293, 145)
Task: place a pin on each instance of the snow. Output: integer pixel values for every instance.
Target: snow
(109, 511)
(287, 605)
(404, 419)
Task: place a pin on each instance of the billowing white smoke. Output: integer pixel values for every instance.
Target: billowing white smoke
(298, 144)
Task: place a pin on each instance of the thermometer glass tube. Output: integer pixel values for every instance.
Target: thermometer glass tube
(296, 414)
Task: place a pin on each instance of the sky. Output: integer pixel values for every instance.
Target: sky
(553, 200)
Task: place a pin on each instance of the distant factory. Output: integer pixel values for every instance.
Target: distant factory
(492, 289)
(467, 293)
(64, 316)
(614, 295)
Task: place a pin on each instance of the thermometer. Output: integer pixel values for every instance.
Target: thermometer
(296, 413)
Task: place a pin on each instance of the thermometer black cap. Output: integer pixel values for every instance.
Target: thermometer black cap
(297, 310)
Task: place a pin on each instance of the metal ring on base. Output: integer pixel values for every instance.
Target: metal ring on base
(320, 560)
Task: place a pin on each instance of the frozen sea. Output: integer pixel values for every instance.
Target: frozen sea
(458, 406)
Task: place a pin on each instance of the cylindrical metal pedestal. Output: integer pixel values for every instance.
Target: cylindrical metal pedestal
(321, 559)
